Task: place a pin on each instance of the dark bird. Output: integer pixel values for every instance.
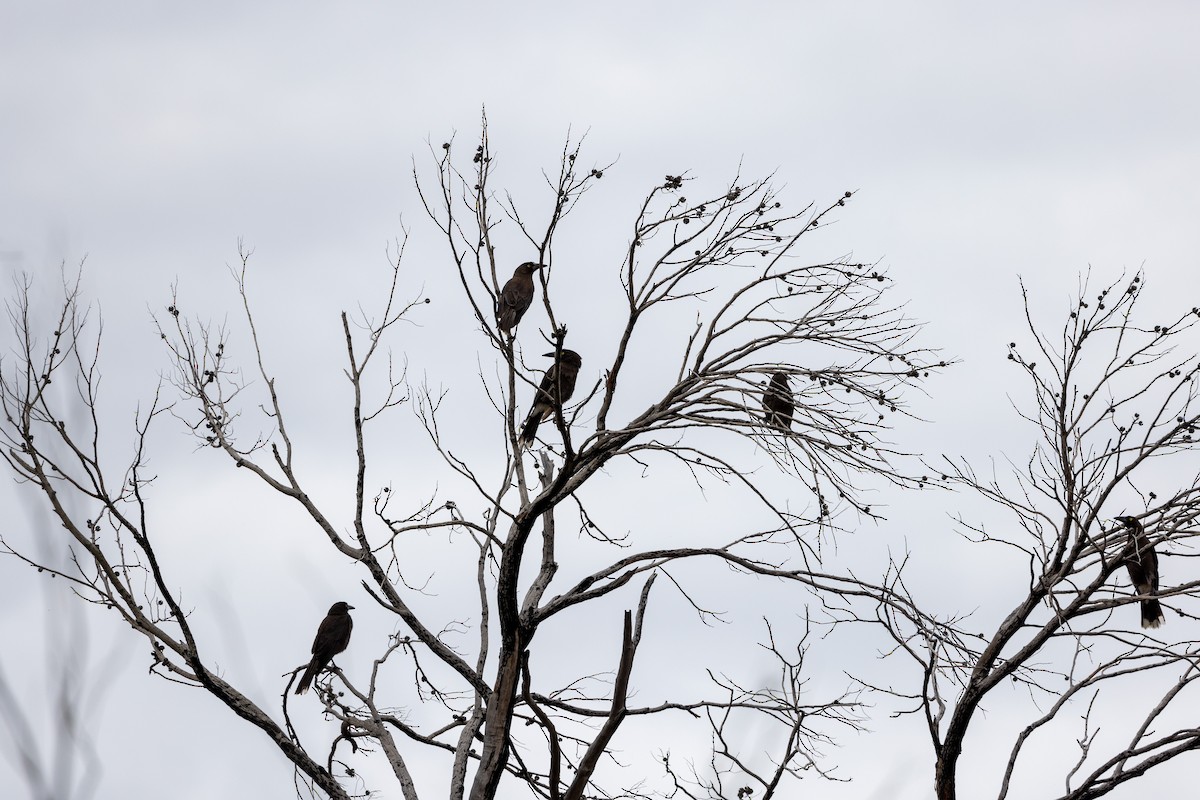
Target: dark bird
(778, 403)
(558, 384)
(332, 638)
(1142, 563)
(516, 297)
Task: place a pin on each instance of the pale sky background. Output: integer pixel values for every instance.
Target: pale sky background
(985, 143)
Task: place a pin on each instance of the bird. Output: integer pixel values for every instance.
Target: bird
(516, 297)
(332, 637)
(778, 403)
(558, 384)
(1142, 563)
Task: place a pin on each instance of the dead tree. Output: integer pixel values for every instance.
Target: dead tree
(760, 307)
(1111, 403)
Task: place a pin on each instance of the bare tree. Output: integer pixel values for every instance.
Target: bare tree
(732, 263)
(1112, 409)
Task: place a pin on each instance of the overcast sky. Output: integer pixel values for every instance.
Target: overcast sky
(984, 142)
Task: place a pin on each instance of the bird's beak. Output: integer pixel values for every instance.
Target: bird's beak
(549, 355)
(350, 607)
(538, 266)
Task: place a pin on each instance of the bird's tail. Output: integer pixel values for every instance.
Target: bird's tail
(1152, 614)
(306, 679)
(529, 429)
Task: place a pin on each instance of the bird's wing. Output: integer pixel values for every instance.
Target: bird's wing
(333, 635)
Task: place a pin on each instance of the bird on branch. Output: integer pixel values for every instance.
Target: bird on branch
(778, 402)
(558, 384)
(1142, 562)
(332, 637)
(516, 297)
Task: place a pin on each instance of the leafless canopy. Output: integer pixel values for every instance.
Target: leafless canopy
(1112, 410)
(499, 709)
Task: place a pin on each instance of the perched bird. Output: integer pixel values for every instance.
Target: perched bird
(516, 297)
(332, 637)
(558, 384)
(778, 403)
(1142, 563)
